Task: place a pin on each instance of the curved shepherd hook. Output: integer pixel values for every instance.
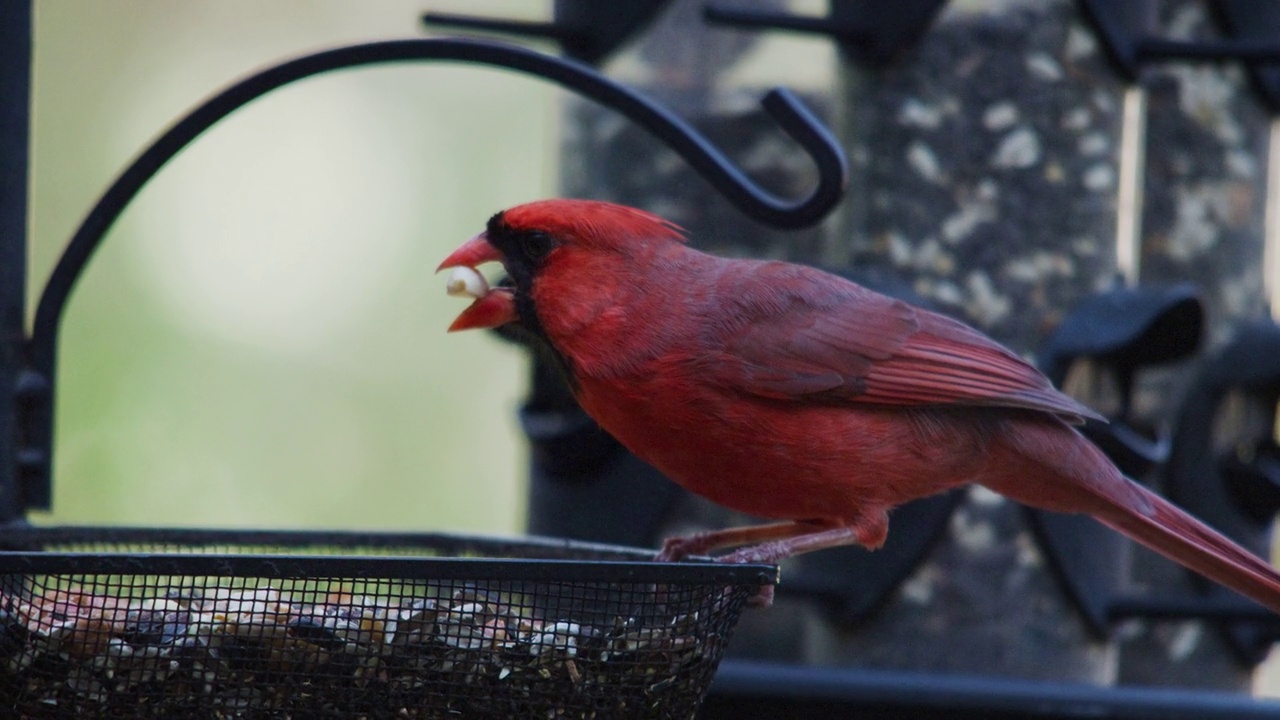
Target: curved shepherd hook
(781, 105)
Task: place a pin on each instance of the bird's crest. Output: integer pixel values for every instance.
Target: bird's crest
(592, 222)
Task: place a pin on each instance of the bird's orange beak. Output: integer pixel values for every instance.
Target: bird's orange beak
(495, 306)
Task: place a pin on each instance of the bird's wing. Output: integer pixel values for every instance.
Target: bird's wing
(797, 332)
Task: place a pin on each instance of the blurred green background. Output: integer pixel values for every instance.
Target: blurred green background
(261, 342)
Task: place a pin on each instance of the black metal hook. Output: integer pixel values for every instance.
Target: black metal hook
(790, 114)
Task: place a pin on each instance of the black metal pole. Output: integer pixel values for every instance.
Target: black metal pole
(15, 102)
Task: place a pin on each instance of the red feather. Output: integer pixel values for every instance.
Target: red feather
(786, 392)
(802, 332)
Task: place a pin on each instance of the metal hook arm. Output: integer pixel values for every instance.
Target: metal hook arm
(709, 162)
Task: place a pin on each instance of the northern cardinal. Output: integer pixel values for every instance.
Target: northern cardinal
(786, 392)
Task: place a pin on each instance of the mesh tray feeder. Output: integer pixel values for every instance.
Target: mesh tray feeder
(108, 622)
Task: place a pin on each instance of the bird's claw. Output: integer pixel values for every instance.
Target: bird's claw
(675, 549)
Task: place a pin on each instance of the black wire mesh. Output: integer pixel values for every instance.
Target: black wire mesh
(223, 624)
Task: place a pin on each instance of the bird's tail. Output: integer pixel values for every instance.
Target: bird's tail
(1180, 537)
(1082, 479)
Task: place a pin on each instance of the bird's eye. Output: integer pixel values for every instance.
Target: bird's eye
(536, 245)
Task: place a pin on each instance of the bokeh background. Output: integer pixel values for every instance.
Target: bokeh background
(260, 341)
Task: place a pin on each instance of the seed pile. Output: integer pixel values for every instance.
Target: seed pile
(262, 653)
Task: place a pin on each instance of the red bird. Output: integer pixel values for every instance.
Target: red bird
(786, 392)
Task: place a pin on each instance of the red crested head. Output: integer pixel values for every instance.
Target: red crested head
(576, 247)
(588, 223)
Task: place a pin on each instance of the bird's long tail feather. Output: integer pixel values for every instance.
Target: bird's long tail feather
(1082, 480)
(1180, 537)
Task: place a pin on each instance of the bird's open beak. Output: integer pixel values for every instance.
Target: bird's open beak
(492, 307)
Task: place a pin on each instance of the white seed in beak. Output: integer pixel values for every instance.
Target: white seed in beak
(466, 281)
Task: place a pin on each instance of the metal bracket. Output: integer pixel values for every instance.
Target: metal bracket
(1124, 330)
(871, 32)
(1257, 21)
(586, 30)
(1121, 330)
(1255, 24)
(1228, 476)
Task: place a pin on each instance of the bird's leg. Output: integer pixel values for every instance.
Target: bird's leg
(678, 548)
(869, 531)
(775, 550)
